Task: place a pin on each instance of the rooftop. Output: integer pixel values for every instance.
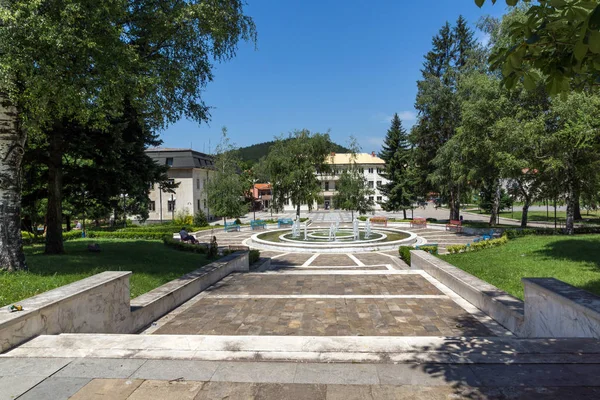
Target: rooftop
(361, 158)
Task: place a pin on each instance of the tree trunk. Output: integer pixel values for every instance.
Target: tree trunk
(571, 200)
(454, 204)
(526, 204)
(496, 206)
(12, 143)
(68, 222)
(298, 210)
(577, 214)
(54, 238)
(404, 211)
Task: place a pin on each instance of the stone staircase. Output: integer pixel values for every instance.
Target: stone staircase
(443, 238)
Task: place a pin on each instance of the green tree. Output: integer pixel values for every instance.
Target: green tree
(396, 152)
(352, 191)
(560, 38)
(293, 164)
(226, 189)
(75, 61)
(573, 149)
(439, 109)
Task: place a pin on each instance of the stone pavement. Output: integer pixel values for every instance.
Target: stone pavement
(85, 379)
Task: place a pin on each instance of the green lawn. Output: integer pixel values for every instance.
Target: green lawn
(572, 259)
(541, 216)
(151, 262)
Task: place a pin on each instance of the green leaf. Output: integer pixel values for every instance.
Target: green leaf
(479, 3)
(558, 3)
(512, 2)
(594, 41)
(580, 51)
(594, 23)
(529, 81)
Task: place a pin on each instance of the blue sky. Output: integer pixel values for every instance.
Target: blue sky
(344, 66)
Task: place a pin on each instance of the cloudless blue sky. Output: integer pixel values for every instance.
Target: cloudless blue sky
(344, 66)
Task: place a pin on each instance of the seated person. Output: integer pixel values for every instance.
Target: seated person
(77, 225)
(185, 236)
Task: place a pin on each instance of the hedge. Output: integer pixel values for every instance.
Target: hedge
(179, 245)
(404, 252)
(254, 256)
(125, 235)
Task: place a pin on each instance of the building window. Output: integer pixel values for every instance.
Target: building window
(204, 203)
(379, 198)
(327, 186)
(379, 171)
(152, 206)
(169, 161)
(171, 181)
(204, 182)
(198, 203)
(171, 205)
(378, 183)
(370, 170)
(370, 198)
(371, 184)
(198, 183)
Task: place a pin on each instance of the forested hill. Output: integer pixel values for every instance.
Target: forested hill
(255, 152)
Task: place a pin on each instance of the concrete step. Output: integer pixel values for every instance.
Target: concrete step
(374, 349)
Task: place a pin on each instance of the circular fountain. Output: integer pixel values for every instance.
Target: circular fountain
(332, 239)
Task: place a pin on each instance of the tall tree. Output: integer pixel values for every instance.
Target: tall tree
(439, 108)
(75, 61)
(352, 191)
(227, 188)
(396, 152)
(573, 146)
(293, 164)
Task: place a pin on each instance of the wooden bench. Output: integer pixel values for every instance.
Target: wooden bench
(418, 223)
(258, 224)
(284, 222)
(232, 226)
(379, 220)
(454, 225)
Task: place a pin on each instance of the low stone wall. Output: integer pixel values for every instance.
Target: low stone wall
(101, 303)
(507, 310)
(152, 305)
(552, 308)
(556, 309)
(98, 304)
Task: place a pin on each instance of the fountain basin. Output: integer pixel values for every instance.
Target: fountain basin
(276, 240)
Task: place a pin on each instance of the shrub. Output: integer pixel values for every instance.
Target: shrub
(362, 218)
(72, 235)
(237, 221)
(254, 256)
(126, 235)
(432, 220)
(200, 219)
(430, 249)
(457, 248)
(183, 217)
(179, 245)
(404, 252)
(213, 248)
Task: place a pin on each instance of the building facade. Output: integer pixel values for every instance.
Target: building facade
(372, 168)
(192, 170)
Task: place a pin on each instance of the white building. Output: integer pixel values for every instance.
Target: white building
(192, 170)
(371, 166)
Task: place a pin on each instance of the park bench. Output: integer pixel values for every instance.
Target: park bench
(454, 225)
(284, 221)
(379, 220)
(418, 223)
(232, 226)
(259, 223)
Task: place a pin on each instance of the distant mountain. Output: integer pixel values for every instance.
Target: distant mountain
(255, 152)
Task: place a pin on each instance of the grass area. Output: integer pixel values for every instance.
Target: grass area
(572, 259)
(541, 216)
(152, 264)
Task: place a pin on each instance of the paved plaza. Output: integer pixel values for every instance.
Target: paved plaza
(312, 326)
